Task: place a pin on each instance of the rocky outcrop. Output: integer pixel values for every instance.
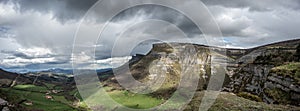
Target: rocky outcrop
(270, 75)
(249, 71)
(282, 85)
(4, 105)
(169, 61)
(272, 87)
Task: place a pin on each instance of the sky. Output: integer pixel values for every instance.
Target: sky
(39, 34)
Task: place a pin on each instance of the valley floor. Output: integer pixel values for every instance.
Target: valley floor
(33, 97)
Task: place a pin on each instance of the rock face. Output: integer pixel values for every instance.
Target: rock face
(283, 85)
(272, 86)
(251, 72)
(3, 105)
(273, 74)
(169, 61)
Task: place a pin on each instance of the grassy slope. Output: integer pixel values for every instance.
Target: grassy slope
(231, 102)
(289, 70)
(125, 98)
(137, 101)
(32, 88)
(36, 94)
(224, 102)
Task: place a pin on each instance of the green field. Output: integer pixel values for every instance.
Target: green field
(36, 94)
(109, 99)
(32, 88)
(137, 101)
(225, 101)
(231, 102)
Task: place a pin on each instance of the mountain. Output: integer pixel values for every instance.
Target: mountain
(272, 74)
(38, 92)
(260, 78)
(8, 79)
(70, 71)
(60, 71)
(268, 73)
(55, 71)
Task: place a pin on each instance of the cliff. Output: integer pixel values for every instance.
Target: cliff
(270, 73)
(251, 73)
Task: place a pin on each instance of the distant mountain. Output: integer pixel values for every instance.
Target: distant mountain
(59, 71)
(104, 70)
(8, 79)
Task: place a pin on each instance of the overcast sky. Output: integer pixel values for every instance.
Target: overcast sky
(39, 34)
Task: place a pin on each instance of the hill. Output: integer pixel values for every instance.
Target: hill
(256, 74)
(260, 78)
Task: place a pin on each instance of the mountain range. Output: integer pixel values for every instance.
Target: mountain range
(260, 78)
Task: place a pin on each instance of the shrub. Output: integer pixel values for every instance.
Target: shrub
(298, 52)
(249, 96)
(278, 95)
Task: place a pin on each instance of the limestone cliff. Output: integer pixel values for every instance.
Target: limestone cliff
(251, 73)
(271, 73)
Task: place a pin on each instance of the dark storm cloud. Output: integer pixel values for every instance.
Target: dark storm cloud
(251, 4)
(66, 10)
(160, 13)
(51, 24)
(256, 5)
(63, 10)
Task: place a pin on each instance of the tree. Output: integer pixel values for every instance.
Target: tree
(298, 52)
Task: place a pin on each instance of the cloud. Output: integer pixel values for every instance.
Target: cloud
(40, 33)
(30, 53)
(235, 22)
(246, 28)
(62, 10)
(22, 57)
(87, 62)
(114, 62)
(256, 5)
(20, 62)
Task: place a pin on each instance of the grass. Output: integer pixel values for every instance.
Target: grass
(31, 88)
(278, 95)
(225, 101)
(76, 94)
(80, 103)
(36, 94)
(137, 101)
(108, 100)
(231, 102)
(39, 101)
(289, 66)
(289, 70)
(250, 96)
(49, 86)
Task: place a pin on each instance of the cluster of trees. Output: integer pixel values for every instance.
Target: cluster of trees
(298, 53)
